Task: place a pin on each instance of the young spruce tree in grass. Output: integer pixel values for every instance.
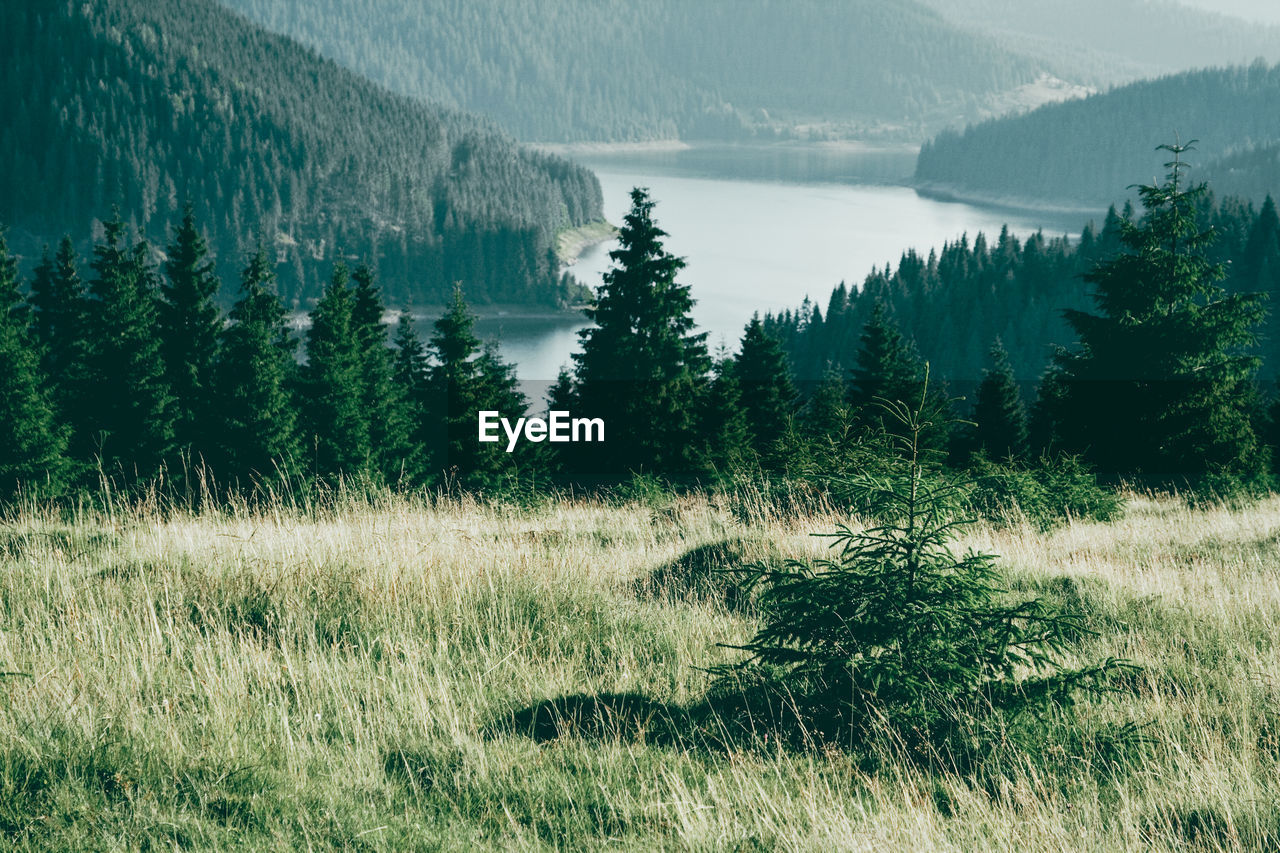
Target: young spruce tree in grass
(899, 630)
(768, 394)
(127, 417)
(1000, 418)
(32, 441)
(337, 436)
(1161, 384)
(190, 324)
(642, 368)
(257, 415)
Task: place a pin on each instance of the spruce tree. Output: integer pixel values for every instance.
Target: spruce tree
(410, 374)
(257, 415)
(337, 437)
(726, 432)
(642, 369)
(58, 325)
(465, 380)
(562, 396)
(768, 394)
(384, 402)
(32, 441)
(998, 412)
(1259, 271)
(190, 324)
(128, 424)
(889, 370)
(826, 414)
(1161, 384)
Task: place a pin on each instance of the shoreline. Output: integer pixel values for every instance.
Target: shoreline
(572, 242)
(953, 193)
(301, 320)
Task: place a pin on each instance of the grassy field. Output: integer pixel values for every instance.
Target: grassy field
(338, 679)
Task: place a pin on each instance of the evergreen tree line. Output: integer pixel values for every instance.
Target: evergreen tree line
(132, 376)
(150, 103)
(955, 302)
(1160, 381)
(137, 376)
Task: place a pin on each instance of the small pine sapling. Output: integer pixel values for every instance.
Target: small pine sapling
(898, 632)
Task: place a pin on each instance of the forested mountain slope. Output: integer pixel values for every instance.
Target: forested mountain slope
(1116, 41)
(1082, 151)
(146, 104)
(571, 70)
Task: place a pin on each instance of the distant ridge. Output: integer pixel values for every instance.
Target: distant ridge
(1088, 150)
(625, 70)
(145, 103)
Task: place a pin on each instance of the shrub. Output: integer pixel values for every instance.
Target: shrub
(900, 631)
(1045, 493)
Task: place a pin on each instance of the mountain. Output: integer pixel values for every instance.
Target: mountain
(145, 103)
(1085, 151)
(619, 70)
(1106, 42)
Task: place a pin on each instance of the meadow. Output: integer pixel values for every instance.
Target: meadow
(353, 675)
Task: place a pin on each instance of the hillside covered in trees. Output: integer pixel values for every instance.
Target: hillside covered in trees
(1105, 42)
(1084, 151)
(616, 70)
(148, 105)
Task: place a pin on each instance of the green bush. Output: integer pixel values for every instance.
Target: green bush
(1045, 493)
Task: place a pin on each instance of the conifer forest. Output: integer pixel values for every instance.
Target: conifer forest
(973, 546)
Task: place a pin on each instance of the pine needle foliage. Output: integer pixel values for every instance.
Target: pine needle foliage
(900, 631)
(1166, 363)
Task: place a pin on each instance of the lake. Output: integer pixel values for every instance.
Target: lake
(761, 228)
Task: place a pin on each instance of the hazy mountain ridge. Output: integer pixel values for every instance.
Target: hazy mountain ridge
(1115, 41)
(1087, 151)
(610, 70)
(149, 104)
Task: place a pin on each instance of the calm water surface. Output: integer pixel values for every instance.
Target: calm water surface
(761, 229)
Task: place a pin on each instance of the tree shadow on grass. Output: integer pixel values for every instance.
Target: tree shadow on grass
(720, 722)
(703, 574)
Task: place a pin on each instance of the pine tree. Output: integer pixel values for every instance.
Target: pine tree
(888, 369)
(826, 415)
(1259, 271)
(642, 369)
(258, 419)
(725, 430)
(465, 380)
(1000, 416)
(58, 325)
(128, 408)
(410, 373)
(768, 394)
(32, 442)
(1161, 384)
(898, 629)
(383, 400)
(337, 425)
(190, 324)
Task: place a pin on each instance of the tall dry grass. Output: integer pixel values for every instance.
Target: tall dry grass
(333, 677)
